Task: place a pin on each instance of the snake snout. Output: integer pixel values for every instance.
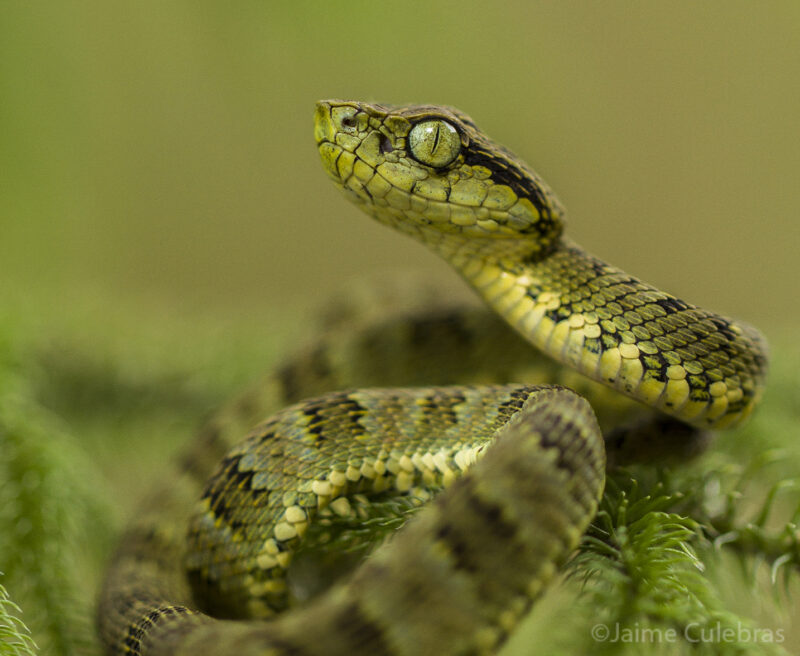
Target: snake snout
(339, 128)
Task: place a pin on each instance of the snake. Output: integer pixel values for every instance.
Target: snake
(395, 418)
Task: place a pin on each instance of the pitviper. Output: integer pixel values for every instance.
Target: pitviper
(521, 465)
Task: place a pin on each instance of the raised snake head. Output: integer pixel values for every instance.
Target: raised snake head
(429, 172)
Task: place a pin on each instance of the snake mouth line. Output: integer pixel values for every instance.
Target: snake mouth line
(456, 216)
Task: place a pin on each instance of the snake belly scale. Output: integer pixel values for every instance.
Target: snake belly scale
(206, 566)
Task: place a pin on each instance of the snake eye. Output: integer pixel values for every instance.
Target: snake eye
(435, 143)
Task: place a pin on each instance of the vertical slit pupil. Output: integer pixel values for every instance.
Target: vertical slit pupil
(436, 132)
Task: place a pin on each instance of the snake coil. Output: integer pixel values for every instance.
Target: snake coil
(521, 466)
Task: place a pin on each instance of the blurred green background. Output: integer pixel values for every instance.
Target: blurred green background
(162, 152)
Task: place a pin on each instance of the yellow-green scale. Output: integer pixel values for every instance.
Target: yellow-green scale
(315, 457)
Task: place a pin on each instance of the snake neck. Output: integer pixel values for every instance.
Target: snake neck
(430, 173)
(690, 363)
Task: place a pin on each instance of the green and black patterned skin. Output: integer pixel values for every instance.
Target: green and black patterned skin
(211, 564)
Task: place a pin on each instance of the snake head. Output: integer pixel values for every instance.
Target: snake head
(430, 172)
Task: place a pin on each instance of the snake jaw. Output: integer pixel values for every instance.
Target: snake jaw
(466, 194)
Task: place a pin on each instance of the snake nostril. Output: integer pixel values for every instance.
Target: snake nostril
(349, 122)
(386, 144)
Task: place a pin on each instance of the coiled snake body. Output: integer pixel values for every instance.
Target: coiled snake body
(471, 561)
